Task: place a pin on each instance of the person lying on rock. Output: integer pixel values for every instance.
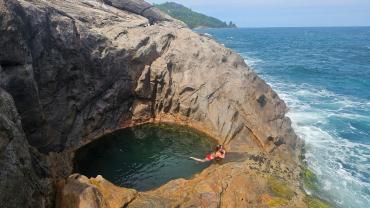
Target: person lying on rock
(218, 154)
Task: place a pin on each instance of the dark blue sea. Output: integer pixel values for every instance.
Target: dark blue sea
(323, 74)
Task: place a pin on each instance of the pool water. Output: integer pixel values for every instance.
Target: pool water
(146, 156)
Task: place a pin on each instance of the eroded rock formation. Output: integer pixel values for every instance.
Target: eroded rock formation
(22, 172)
(79, 191)
(78, 69)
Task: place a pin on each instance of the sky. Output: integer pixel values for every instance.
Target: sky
(283, 13)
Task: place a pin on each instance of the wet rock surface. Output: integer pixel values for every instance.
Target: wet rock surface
(79, 69)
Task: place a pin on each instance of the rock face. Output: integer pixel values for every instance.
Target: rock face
(21, 171)
(80, 69)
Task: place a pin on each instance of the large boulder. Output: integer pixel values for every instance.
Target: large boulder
(80, 191)
(142, 8)
(78, 70)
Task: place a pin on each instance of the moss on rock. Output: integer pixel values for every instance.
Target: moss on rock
(273, 201)
(313, 202)
(280, 188)
(309, 179)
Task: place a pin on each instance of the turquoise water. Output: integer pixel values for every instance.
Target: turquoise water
(323, 74)
(146, 156)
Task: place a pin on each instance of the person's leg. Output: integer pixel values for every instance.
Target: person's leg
(199, 160)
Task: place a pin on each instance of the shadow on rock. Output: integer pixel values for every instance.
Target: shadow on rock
(235, 157)
(241, 157)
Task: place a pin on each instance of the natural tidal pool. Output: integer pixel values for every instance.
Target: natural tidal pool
(146, 156)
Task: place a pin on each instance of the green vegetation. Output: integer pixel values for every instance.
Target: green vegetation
(310, 183)
(280, 188)
(191, 18)
(309, 179)
(279, 193)
(313, 202)
(282, 193)
(272, 201)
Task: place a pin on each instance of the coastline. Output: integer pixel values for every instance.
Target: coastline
(306, 67)
(142, 67)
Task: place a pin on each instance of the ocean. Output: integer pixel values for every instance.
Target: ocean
(323, 74)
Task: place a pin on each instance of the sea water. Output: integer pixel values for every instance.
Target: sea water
(323, 74)
(145, 157)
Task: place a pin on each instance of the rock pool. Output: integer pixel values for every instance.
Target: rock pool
(146, 156)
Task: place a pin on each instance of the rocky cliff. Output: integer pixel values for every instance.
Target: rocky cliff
(79, 69)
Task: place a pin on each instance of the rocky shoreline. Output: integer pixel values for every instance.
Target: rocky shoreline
(74, 70)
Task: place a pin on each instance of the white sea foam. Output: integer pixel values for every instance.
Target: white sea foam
(207, 34)
(339, 163)
(250, 60)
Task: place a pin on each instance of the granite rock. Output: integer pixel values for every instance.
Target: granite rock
(80, 191)
(24, 176)
(79, 69)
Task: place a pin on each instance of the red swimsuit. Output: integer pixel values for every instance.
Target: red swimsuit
(213, 156)
(209, 156)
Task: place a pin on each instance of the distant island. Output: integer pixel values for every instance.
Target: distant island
(191, 18)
